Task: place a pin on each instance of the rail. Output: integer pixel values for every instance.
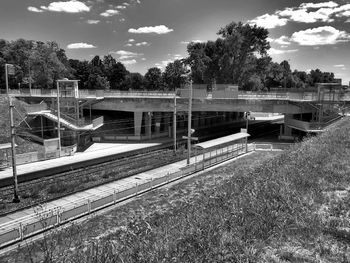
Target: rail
(43, 219)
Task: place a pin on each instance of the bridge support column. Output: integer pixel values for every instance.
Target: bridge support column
(196, 117)
(202, 119)
(158, 120)
(167, 123)
(286, 131)
(137, 123)
(148, 124)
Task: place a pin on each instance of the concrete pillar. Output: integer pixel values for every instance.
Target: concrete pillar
(148, 124)
(137, 123)
(158, 120)
(167, 121)
(286, 132)
(196, 117)
(202, 119)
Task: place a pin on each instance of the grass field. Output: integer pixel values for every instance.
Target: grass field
(292, 207)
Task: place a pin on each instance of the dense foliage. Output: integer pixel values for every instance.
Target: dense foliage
(238, 56)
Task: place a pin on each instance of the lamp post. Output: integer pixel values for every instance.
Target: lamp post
(9, 70)
(58, 119)
(189, 123)
(174, 122)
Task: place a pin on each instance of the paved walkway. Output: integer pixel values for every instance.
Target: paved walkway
(96, 151)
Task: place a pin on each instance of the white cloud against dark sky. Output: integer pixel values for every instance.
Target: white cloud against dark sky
(310, 34)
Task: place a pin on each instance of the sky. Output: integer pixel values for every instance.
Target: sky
(151, 33)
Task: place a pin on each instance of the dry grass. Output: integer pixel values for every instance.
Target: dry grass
(292, 208)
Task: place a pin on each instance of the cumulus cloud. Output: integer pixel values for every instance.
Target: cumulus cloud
(194, 41)
(273, 51)
(162, 29)
(34, 9)
(304, 13)
(121, 7)
(282, 40)
(80, 46)
(91, 22)
(125, 55)
(339, 66)
(128, 45)
(131, 40)
(325, 35)
(319, 5)
(142, 44)
(129, 62)
(72, 6)
(269, 21)
(109, 12)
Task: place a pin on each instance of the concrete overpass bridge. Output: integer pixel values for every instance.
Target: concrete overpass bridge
(153, 111)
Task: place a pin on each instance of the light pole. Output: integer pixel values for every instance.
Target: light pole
(174, 122)
(189, 123)
(9, 70)
(58, 119)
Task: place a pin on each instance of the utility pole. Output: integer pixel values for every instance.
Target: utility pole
(189, 123)
(10, 70)
(174, 122)
(13, 148)
(58, 119)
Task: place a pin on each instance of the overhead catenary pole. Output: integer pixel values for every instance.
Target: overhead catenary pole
(189, 123)
(174, 122)
(58, 119)
(13, 148)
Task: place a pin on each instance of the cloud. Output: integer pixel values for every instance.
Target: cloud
(151, 29)
(109, 12)
(273, 51)
(339, 66)
(282, 40)
(131, 40)
(304, 13)
(126, 54)
(34, 9)
(129, 62)
(80, 45)
(91, 22)
(128, 45)
(194, 41)
(126, 4)
(121, 7)
(143, 59)
(269, 21)
(142, 44)
(72, 6)
(122, 20)
(304, 16)
(319, 5)
(325, 35)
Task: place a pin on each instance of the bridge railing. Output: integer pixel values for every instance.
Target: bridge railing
(293, 94)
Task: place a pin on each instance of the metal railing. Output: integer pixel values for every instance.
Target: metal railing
(43, 219)
(304, 95)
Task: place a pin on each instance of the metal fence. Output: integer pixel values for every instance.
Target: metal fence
(43, 219)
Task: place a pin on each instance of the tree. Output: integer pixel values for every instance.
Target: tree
(81, 71)
(117, 76)
(134, 81)
(173, 75)
(153, 79)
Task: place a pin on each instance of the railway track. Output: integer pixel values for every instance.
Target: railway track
(59, 185)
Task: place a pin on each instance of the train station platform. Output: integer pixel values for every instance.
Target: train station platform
(95, 151)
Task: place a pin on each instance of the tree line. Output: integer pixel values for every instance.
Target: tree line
(238, 56)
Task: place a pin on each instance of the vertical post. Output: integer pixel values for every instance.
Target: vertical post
(13, 145)
(30, 78)
(189, 124)
(174, 122)
(6, 79)
(58, 119)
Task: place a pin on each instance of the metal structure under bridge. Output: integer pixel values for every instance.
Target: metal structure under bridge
(307, 110)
